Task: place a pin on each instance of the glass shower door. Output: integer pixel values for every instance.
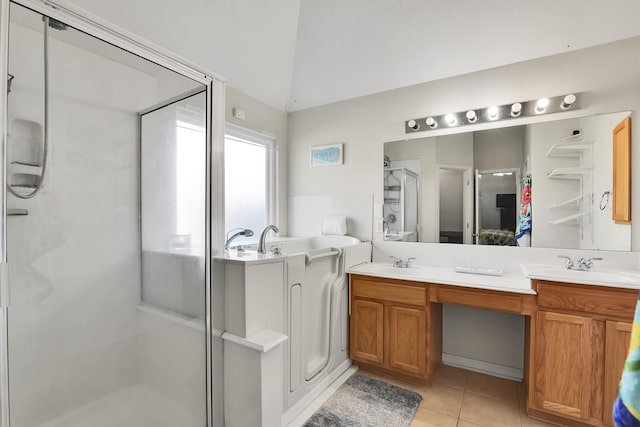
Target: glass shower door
(107, 261)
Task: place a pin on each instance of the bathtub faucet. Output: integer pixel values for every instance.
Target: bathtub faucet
(261, 244)
(243, 232)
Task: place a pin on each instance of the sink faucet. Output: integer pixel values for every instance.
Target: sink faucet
(581, 264)
(399, 263)
(261, 244)
(585, 264)
(243, 232)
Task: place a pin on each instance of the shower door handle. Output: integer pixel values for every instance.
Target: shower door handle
(4, 284)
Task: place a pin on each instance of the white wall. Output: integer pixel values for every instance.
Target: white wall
(499, 148)
(263, 118)
(364, 124)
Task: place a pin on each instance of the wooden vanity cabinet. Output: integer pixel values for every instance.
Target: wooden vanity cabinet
(389, 327)
(579, 340)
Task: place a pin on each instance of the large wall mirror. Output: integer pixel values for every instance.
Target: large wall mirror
(547, 185)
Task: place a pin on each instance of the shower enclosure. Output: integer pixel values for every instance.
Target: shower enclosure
(107, 243)
(401, 205)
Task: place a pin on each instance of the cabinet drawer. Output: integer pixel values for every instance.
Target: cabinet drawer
(610, 302)
(391, 292)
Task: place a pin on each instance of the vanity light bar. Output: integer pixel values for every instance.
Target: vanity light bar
(556, 104)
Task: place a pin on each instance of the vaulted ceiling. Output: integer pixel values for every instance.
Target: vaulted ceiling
(296, 54)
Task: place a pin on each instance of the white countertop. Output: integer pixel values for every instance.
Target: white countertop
(628, 279)
(508, 282)
(232, 256)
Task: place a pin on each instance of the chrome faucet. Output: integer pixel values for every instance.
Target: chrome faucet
(261, 244)
(399, 263)
(586, 264)
(581, 264)
(243, 232)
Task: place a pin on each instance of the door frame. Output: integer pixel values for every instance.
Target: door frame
(518, 177)
(467, 201)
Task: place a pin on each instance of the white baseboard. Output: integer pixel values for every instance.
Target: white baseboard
(501, 371)
(298, 414)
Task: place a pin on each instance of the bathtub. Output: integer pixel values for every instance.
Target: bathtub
(316, 318)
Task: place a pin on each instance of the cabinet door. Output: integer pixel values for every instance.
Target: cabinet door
(563, 365)
(407, 340)
(616, 348)
(622, 172)
(367, 331)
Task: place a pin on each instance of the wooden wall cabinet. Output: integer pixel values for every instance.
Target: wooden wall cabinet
(579, 340)
(390, 328)
(622, 172)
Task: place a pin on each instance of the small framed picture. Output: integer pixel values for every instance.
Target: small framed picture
(326, 155)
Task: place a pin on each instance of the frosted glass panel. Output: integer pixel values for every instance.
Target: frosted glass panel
(84, 348)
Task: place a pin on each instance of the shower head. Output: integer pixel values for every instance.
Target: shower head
(55, 24)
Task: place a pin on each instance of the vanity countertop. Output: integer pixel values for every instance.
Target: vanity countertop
(613, 278)
(508, 282)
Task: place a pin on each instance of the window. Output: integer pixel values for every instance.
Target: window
(249, 181)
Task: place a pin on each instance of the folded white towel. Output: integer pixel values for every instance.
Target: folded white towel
(334, 225)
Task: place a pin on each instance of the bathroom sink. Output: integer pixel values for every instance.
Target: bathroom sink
(597, 276)
(388, 270)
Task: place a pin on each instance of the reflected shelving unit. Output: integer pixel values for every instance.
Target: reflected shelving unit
(576, 150)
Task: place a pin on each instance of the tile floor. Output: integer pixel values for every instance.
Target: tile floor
(461, 398)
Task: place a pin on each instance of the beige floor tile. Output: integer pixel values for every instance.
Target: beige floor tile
(489, 412)
(530, 422)
(498, 388)
(441, 398)
(453, 377)
(430, 418)
(463, 423)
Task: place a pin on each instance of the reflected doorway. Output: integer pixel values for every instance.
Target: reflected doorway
(455, 198)
(497, 196)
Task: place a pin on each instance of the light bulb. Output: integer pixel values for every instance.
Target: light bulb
(431, 122)
(413, 124)
(542, 105)
(493, 112)
(472, 117)
(516, 109)
(450, 118)
(568, 101)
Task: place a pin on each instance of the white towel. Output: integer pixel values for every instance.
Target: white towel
(334, 225)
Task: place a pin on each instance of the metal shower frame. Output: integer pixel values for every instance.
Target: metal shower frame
(105, 31)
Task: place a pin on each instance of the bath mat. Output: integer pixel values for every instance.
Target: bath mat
(366, 402)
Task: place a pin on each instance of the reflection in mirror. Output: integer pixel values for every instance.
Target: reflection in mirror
(496, 213)
(472, 185)
(401, 204)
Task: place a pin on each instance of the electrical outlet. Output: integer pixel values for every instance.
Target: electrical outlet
(378, 223)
